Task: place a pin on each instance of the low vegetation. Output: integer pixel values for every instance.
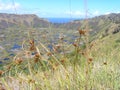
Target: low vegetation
(57, 62)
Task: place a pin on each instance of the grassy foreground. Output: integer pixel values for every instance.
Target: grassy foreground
(77, 66)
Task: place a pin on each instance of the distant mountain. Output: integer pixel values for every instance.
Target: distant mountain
(104, 24)
(24, 20)
(107, 24)
(12, 37)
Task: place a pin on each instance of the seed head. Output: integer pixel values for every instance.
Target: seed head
(8, 67)
(91, 45)
(57, 46)
(82, 32)
(37, 55)
(1, 72)
(31, 41)
(74, 44)
(90, 60)
(32, 45)
(27, 53)
(18, 60)
(54, 49)
(105, 63)
(62, 61)
(31, 81)
(61, 37)
(49, 54)
(36, 60)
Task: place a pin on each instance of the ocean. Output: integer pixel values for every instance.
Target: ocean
(61, 20)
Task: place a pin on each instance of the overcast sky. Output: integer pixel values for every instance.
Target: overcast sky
(60, 8)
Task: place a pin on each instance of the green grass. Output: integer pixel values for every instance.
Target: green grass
(91, 68)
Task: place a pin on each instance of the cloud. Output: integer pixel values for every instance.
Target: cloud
(107, 13)
(117, 12)
(92, 13)
(9, 6)
(75, 13)
(82, 14)
(111, 12)
(96, 13)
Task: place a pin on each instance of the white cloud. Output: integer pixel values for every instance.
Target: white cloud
(82, 14)
(75, 13)
(117, 12)
(9, 6)
(107, 13)
(92, 13)
(96, 13)
(112, 12)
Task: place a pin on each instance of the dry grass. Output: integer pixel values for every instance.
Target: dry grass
(77, 66)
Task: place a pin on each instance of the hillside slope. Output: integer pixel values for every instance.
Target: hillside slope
(25, 20)
(104, 24)
(14, 30)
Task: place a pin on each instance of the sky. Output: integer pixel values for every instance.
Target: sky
(60, 8)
